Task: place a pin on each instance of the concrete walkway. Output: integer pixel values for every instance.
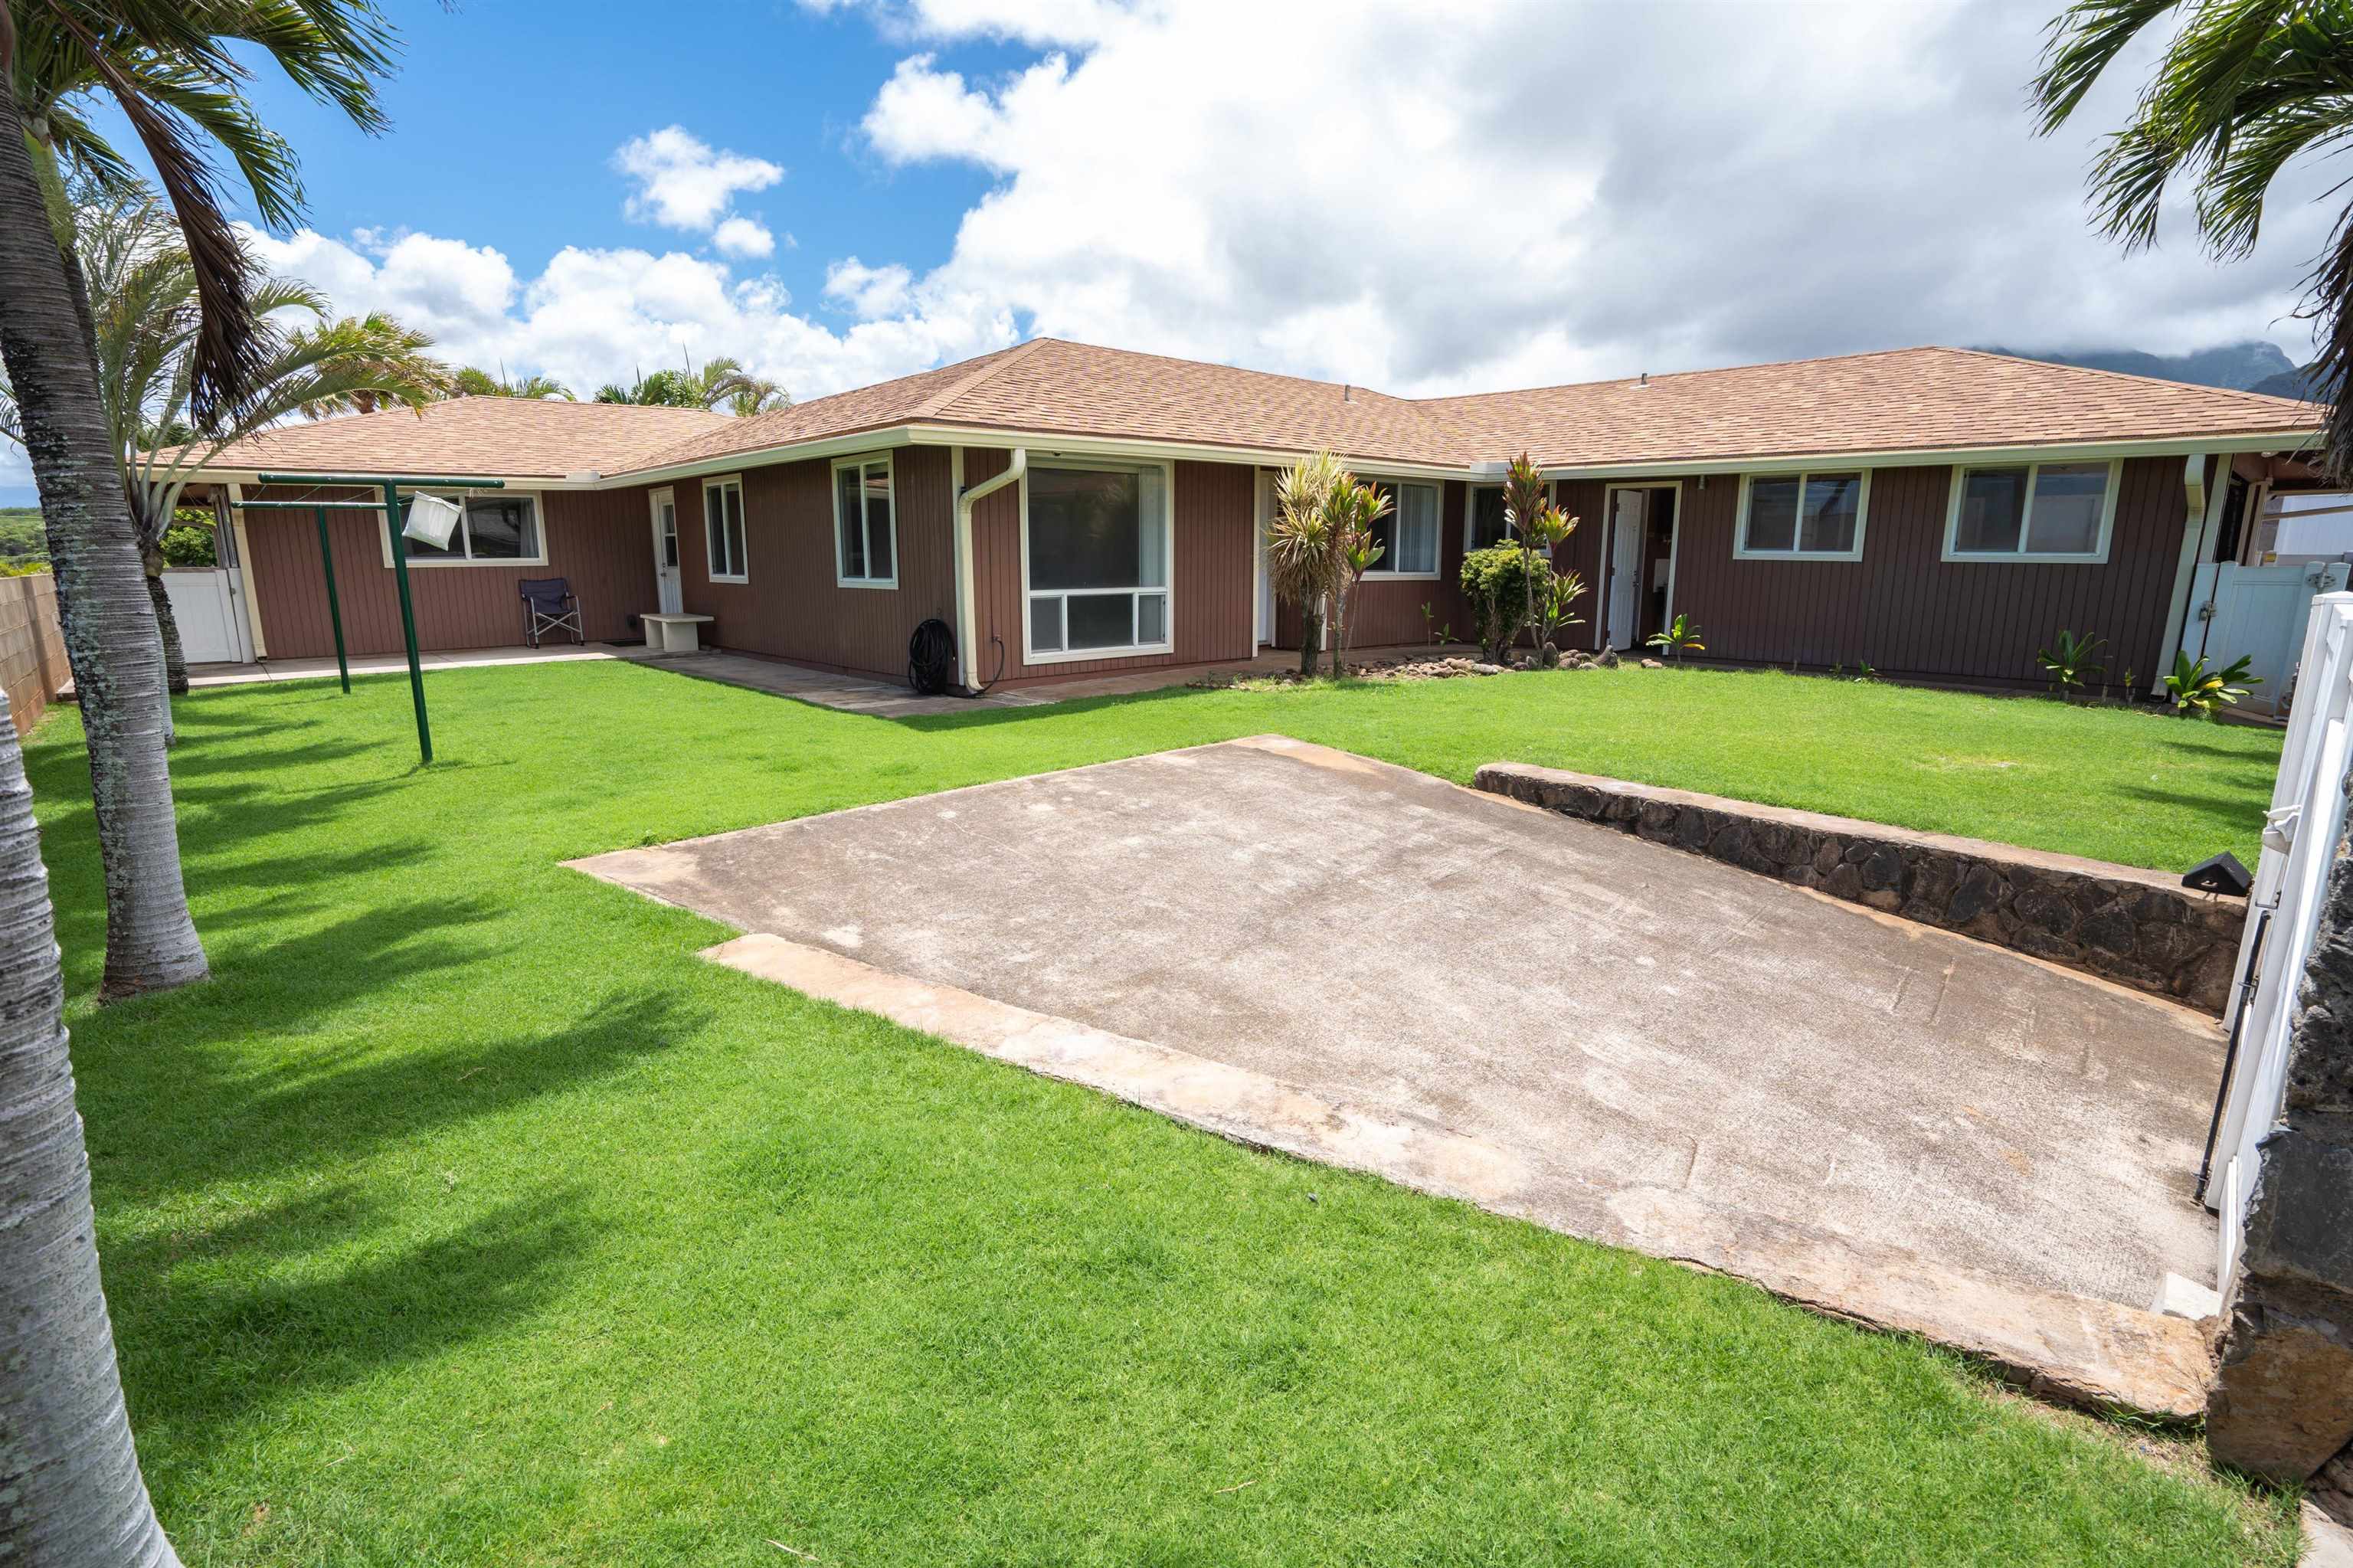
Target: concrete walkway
(1326, 954)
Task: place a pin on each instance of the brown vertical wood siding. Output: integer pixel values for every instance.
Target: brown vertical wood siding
(599, 539)
(794, 606)
(1906, 611)
(1385, 611)
(1212, 572)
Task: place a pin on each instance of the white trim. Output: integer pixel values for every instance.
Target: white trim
(245, 567)
(889, 473)
(1067, 655)
(465, 530)
(960, 553)
(2282, 441)
(1261, 519)
(720, 481)
(2022, 555)
(1741, 551)
(2201, 508)
(1438, 529)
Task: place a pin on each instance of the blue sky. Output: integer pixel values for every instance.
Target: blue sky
(1421, 196)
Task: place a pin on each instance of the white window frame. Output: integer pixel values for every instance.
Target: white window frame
(710, 564)
(1437, 531)
(2022, 555)
(464, 531)
(1066, 655)
(1471, 509)
(1740, 550)
(890, 471)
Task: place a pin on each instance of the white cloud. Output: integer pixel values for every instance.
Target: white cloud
(870, 292)
(684, 183)
(1429, 196)
(1035, 22)
(744, 237)
(597, 315)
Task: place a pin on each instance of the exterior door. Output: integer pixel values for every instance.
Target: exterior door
(666, 552)
(1623, 596)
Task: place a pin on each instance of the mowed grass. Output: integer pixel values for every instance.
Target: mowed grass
(466, 1217)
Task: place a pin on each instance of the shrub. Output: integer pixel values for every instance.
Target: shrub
(189, 545)
(1495, 581)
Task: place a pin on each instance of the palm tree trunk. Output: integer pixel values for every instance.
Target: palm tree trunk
(175, 661)
(109, 621)
(1311, 635)
(68, 1473)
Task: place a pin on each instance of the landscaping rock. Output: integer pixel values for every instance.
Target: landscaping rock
(1652, 664)
(2125, 925)
(1606, 660)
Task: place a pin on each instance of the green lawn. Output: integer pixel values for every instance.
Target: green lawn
(465, 1217)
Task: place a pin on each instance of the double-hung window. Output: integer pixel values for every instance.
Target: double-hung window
(494, 529)
(865, 528)
(1803, 517)
(1487, 522)
(722, 530)
(2052, 512)
(1096, 548)
(1408, 532)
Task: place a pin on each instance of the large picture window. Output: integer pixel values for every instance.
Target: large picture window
(493, 530)
(722, 530)
(865, 527)
(1803, 517)
(1096, 548)
(2052, 511)
(1407, 534)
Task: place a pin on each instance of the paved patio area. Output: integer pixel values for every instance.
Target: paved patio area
(1602, 1034)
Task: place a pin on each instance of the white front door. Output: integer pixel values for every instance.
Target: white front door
(1265, 581)
(666, 552)
(1627, 509)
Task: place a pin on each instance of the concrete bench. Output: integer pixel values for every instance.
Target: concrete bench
(674, 633)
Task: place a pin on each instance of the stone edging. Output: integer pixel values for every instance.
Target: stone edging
(2137, 928)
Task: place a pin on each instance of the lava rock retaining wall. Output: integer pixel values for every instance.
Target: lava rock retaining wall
(2138, 928)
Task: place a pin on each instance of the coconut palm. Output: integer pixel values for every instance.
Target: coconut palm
(721, 382)
(74, 1491)
(470, 382)
(2243, 87)
(177, 71)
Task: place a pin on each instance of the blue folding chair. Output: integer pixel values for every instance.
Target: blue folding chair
(548, 605)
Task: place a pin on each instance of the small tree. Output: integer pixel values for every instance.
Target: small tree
(1526, 498)
(1355, 507)
(1303, 550)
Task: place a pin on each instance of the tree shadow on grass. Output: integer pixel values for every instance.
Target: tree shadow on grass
(254, 1313)
(2228, 816)
(188, 1115)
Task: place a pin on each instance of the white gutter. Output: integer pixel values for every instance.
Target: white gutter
(2288, 442)
(967, 612)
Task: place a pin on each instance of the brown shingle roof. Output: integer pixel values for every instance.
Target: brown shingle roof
(514, 437)
(1900, 400)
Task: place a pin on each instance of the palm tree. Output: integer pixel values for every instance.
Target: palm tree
(2244, 88)
(174, 70)
(1307, 547)
(470, 382)
(145, 313)
(74, 1489)
(722, 381)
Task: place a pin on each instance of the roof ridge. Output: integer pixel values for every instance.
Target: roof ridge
(991, 364)
(1657, 375)
(2136, 378)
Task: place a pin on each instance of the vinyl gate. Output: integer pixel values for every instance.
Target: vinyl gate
(2300, 836)
(2258, 612)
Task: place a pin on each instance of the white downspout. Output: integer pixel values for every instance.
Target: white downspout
(967, 612)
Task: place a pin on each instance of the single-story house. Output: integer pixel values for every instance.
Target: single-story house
(1937, 514)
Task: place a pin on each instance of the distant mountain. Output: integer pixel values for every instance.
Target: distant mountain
(2289, 384)
(2249, 366)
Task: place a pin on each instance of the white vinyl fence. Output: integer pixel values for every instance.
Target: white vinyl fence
(2300, 836)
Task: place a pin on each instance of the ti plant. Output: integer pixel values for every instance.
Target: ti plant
(2196, 690)
(1681, 637)
(2070, 662)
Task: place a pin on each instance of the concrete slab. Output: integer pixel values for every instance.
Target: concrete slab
(1889, 1121)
